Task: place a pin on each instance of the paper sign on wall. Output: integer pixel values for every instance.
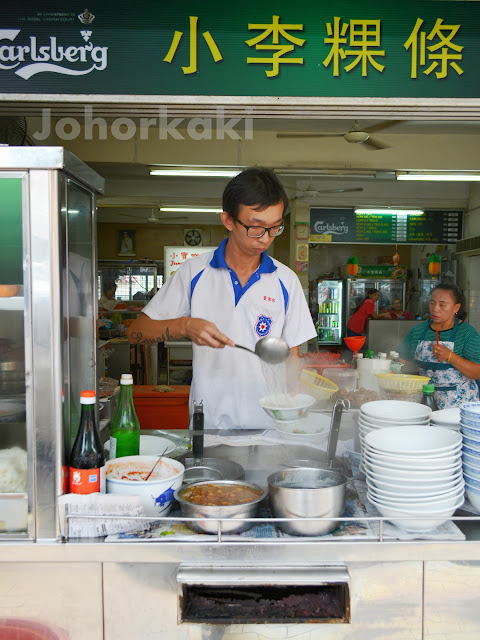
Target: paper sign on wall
(175, 256)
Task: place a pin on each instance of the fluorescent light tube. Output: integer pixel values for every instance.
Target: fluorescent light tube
(366, 211)
(192, 209)
(196, 173)
(440, 177)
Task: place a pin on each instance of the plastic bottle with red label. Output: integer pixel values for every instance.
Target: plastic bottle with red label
(87, 458)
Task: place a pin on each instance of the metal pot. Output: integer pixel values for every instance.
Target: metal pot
(307, 493)
(210, 513)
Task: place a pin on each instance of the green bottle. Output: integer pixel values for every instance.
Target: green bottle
(125, 428)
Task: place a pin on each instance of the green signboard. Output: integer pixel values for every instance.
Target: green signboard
(344, 225)
(381, 271)
(419, 48)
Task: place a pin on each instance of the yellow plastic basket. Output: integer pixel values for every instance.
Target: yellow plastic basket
(401, 383)
(317, 386)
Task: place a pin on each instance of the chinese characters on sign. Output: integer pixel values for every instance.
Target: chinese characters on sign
(356, 43)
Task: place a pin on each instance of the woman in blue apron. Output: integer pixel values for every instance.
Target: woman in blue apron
(453, 365)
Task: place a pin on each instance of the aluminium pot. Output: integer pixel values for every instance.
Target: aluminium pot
(209, 514)
(307, 493)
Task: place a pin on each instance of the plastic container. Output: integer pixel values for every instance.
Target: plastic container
(367, 372)
(343, 378)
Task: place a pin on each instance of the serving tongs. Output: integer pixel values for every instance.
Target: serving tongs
(338, 408)
(199, 471)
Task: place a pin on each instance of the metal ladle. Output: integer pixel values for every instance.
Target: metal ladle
(272, 350)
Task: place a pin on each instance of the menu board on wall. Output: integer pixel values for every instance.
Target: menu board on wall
(344, 225)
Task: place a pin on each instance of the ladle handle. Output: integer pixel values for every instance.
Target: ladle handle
(239, 346)
(198, 431)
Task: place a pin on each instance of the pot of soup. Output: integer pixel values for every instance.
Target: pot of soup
(222, 499)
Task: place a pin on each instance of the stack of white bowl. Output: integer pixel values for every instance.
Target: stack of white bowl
(379, 414)
(446, 418)
(415, 473)
(470, 428)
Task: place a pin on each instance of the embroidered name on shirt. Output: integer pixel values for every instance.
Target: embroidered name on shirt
(268, 299)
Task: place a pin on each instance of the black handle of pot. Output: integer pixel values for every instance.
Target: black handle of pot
(198, 431)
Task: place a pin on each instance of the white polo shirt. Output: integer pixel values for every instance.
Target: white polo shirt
(230, 381)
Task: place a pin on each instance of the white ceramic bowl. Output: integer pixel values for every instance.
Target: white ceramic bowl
(300, 406)
(157, 492)
(446, 416)
(413, 490)
(408, 481)
(151, 446)
(473, 496)
(398, 475)
(414, 440)
(400, 460)
(397, 410)
(471, 410)
(412, 522)
(417, 464)
(379, 423)
(418, 500)
(423, 508)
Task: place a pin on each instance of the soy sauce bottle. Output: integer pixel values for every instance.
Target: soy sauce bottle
(428, 397)
(87, 459)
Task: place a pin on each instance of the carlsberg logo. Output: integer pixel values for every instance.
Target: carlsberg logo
(330, 227)
(38, 57)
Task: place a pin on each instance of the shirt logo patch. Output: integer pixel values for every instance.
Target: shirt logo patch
(263, 326)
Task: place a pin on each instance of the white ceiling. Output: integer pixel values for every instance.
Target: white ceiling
(357, 185)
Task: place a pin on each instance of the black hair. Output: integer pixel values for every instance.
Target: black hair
(368, 293)
(457, 294)
(108, 284)
(256, 187)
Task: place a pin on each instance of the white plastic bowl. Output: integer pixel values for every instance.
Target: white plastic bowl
(157, 492)
(411, 522)
(301, 404)
(396, 410)
(414, 440)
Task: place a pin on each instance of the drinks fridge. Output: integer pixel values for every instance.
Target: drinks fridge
(388, 288)
(330, 321)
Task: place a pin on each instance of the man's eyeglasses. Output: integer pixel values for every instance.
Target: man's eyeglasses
(258, 232)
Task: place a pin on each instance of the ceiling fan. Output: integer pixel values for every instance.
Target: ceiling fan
(356, 135)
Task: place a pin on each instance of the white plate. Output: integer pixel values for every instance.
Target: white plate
(152, 446)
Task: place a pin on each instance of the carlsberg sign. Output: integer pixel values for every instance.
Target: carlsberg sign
(26, 56)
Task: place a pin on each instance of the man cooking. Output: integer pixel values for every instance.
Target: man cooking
(238, 291)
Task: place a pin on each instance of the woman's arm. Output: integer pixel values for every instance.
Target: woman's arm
(381, 316)
(466, 367)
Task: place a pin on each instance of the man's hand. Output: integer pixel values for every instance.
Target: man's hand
(205, 333)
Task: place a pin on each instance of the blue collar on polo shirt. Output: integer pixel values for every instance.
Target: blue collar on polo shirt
(218, 261)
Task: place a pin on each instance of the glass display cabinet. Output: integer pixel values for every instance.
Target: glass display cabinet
(48, 310)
